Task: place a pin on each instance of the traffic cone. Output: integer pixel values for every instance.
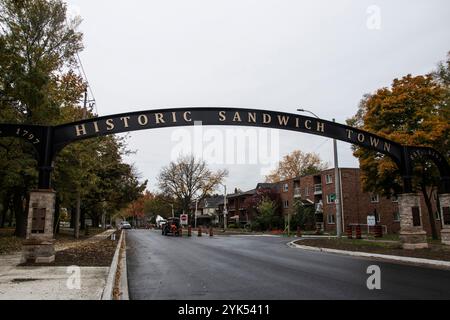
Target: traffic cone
(358, 232)
(349, 232)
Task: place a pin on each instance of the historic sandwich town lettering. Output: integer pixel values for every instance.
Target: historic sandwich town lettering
(267, 119)
(48, 141)
(136, 121)
(125, 122)
(143, 120)
(372, 141)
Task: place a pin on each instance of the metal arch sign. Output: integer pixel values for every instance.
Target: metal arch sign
(152, 119)
(50, 140)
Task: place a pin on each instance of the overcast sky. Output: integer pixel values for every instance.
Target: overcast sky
(278, 55)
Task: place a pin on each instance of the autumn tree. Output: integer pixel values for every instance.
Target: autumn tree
(136, 209)
(304, 217)
(159, 204)
(413, 111)
(38, 45)
(265, 206)
(267, 219)
(296, 164)
(38, 85)
(189, 179)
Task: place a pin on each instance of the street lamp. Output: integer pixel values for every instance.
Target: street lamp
(337, 182)
(304, 110)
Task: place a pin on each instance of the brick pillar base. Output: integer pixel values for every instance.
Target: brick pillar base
(444, 201)
(445, 236)
(412, 235)
(39, 244)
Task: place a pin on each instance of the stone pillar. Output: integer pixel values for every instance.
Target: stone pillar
(412, 235)
(39, 244)
(444, 201)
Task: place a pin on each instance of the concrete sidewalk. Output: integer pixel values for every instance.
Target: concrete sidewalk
(52, 283)
(390, 258)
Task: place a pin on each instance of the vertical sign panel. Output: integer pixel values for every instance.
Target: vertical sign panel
(446, 215)
(416, 216)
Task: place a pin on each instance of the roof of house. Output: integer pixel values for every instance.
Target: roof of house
(209, 202)
(212, 202)
(242, 193)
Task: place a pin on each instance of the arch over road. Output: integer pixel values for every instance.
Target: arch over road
(49, 140)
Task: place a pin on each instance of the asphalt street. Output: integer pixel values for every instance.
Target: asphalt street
(263, 268)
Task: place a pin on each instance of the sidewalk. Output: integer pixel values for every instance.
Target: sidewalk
(51, 283)
(384, 257)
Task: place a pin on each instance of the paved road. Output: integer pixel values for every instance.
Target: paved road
(243, 267)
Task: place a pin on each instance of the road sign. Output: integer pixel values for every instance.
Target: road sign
(184, 219)
(371, 221)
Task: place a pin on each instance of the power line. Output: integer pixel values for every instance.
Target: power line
(83, 73)
(321, 145)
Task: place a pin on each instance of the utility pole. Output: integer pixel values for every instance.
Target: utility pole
(85, 104)
(77, 216)
(337, 188)
(337, 182)
(225, 211)
(78, 205)
(289, 224)
(173, 214)
(195, 213)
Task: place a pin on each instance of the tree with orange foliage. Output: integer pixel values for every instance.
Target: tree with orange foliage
(295, 165)
(413, 111)
(136, 208)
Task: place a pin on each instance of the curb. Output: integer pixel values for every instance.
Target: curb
(123, 281)
(110, 280)
(419, 261)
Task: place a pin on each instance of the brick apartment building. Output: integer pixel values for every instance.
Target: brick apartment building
(319, 190)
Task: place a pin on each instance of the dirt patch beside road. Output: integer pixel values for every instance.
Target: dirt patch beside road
(434, 252)
(85, 253)
(8, 242)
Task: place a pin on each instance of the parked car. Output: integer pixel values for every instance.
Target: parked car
(173, 227)
(124, 225)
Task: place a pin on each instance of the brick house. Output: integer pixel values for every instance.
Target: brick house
(209, 211)
(237, 212)
(319, 190)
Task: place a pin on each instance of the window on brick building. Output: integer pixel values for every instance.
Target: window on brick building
(374, 198)
(396, 216)
(331, 198)
(306, 191)
(329, 179)
(331, 219)
(286, 204)
(286, 187)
